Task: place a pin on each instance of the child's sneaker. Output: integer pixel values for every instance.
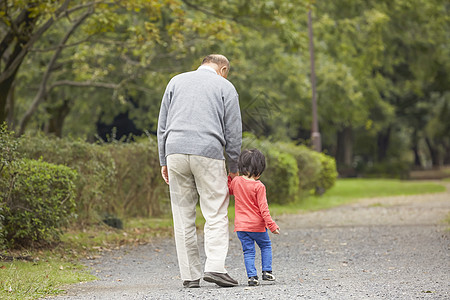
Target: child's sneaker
(253, 281)
(267, 275)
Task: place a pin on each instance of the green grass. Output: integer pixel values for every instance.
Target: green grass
(350, 190)
(30, 280)
(346, 191)
(95, 239)
(55, 268)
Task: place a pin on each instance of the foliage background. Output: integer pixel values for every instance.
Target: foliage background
(382, 71)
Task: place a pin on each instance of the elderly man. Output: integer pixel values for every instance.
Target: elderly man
(199, 117)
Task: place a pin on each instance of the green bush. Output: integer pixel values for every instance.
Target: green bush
(116, 179)
(2, 227)
(93, 163)
(308, 164)
(39, 201)
(281, 176)
(328, 173)
(293, 170)
(8, 145)
(139, 189)
(8, 157)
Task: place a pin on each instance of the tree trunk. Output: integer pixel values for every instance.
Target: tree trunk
(447, 154)
(5, 90)
(415, 149)
(344, 151)
(25, 24)
(57, 117)
(383, 141)
(434, 152)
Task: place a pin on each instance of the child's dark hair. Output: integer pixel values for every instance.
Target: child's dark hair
(251, 163)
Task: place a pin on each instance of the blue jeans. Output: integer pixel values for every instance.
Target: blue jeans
(248, 240)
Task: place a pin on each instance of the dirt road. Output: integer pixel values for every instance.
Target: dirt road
(385, 248)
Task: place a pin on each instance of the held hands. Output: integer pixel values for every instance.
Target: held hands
(232, 175)
(276, 231)
(165, 174)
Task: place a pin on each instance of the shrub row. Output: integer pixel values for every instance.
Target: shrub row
(115, 179)
(46, 181)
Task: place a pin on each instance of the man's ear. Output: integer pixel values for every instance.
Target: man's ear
(224, 71)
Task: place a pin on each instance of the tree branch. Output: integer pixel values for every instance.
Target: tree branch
(205, 11)
(65, 46)
(8, 38)
(43, 86)
(85, 84)
(11, 68)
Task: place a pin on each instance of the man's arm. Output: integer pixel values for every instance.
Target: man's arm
(162, 125)
(233, 132)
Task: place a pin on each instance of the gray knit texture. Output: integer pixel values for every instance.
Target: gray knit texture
(200, 115)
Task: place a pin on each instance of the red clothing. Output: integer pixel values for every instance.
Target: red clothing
(251, 208)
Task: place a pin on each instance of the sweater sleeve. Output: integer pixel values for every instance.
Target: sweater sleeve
(264, 207)
(162, 125)
(233, 131)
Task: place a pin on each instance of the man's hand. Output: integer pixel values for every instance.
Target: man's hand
(232, 175)
(276, 231)
(165, 174)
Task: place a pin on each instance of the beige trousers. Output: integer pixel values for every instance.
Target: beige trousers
(191, 176)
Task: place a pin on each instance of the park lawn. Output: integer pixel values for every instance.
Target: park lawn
(31, 280)
(350, 190)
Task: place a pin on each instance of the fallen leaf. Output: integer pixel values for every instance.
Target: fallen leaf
(3, 267)
(61, 267)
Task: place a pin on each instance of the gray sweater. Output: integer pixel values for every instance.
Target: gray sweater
(200, 115)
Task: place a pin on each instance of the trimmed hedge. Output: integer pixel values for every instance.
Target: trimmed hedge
(39, 202)
(139, 189)
(8, 156)
(115, 179)
(94, 164)
(293, 171)
(123, 179)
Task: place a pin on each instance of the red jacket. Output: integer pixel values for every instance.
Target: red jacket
(251, 208)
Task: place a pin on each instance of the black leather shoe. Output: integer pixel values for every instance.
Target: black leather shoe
(191, 283)
(221, 279)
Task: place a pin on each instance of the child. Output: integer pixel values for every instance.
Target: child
(252, 217)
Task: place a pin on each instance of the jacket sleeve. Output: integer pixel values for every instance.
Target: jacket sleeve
(233, 130)
(162, 125)
(264, 207)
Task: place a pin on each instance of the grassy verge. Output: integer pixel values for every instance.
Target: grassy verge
(349, 190)
(46, 276)
(50, 270)
(30, 280)
(346, 191)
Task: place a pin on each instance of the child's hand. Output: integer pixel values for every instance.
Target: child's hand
(276, 231)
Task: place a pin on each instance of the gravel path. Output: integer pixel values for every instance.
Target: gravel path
(385, 248)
